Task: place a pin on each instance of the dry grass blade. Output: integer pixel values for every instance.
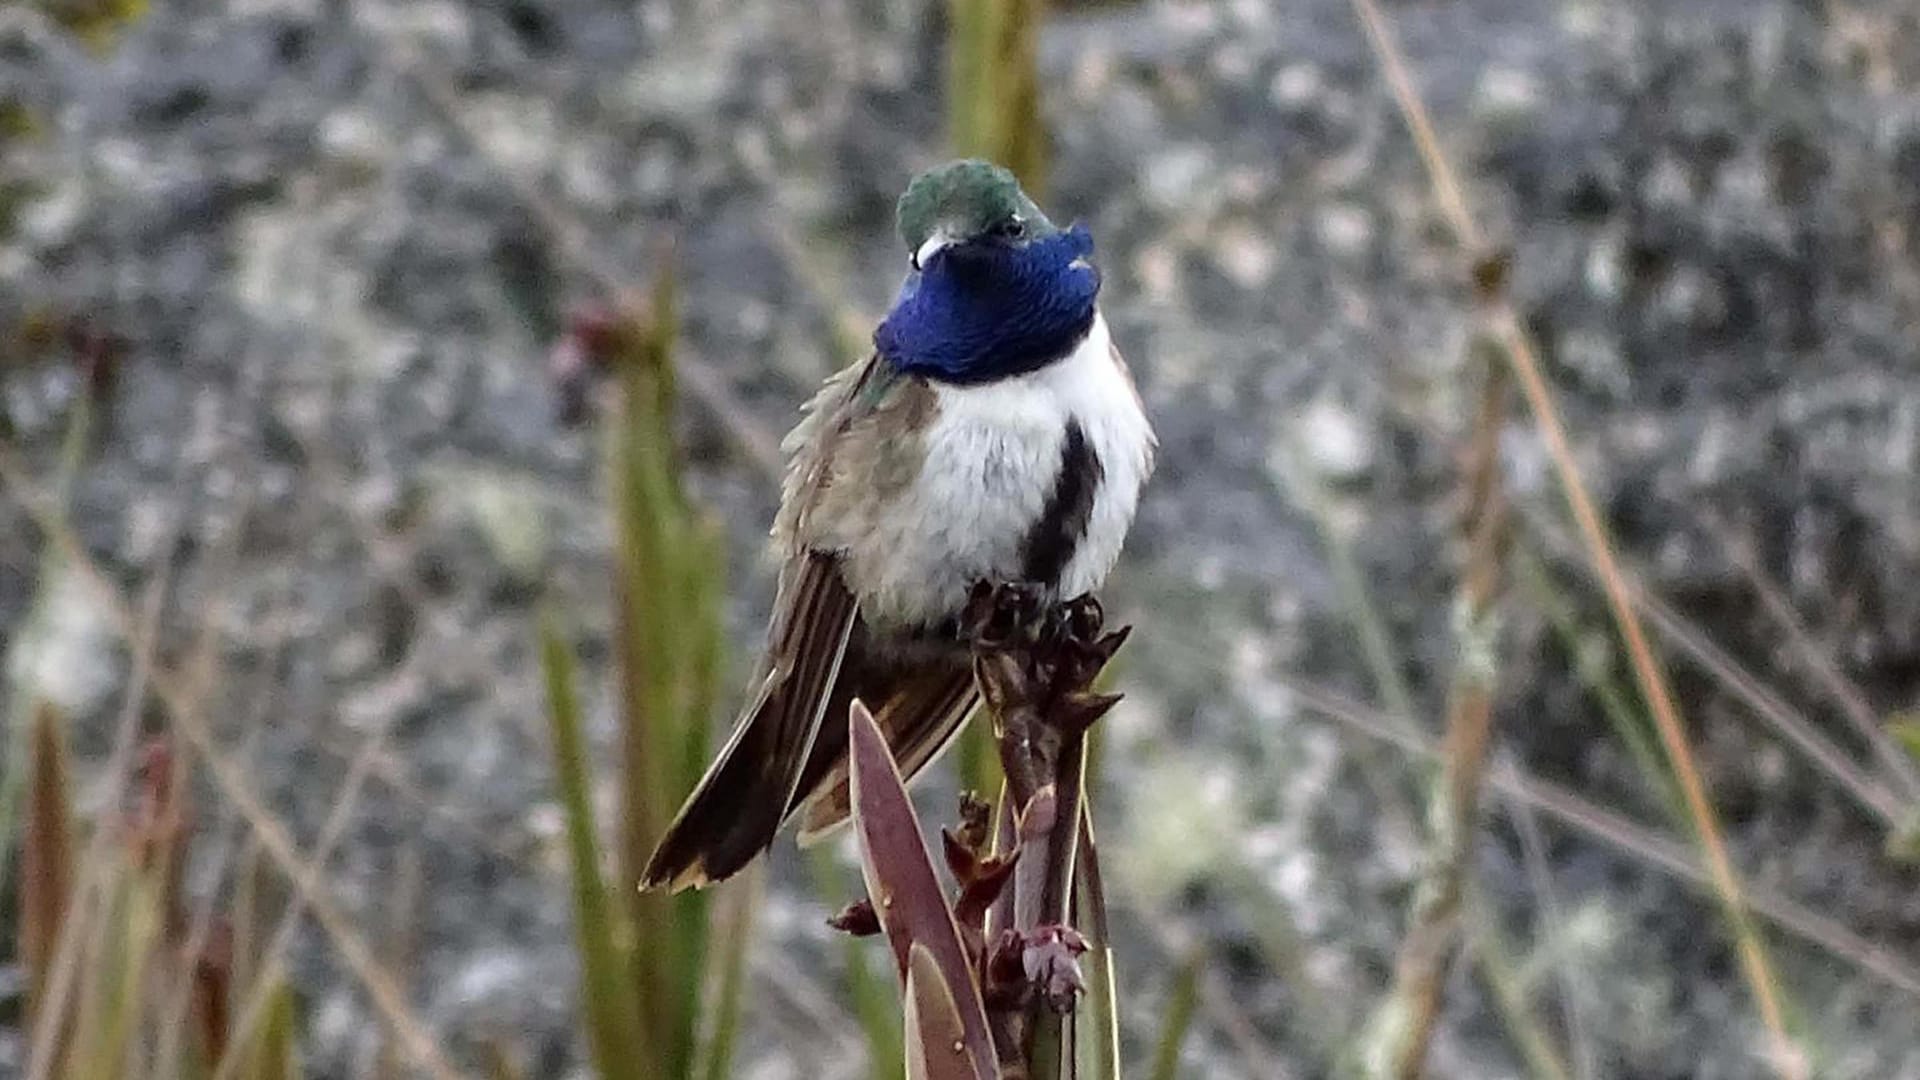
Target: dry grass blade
(1533, 854)
(47, 873)
(1369, 625)
(1853, 704)
(197, 1004)
(1595, 672)
(304, 875)
(80, 913)
(1630, 839)
(264, 966)
(901, 882)
(1789, 725)
(46, 856)
(1786, 1058)
(260, 1002)
(1497, 969)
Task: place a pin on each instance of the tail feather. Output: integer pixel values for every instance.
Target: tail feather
(739, 804)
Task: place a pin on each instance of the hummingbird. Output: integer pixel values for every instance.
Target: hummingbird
(994, 434)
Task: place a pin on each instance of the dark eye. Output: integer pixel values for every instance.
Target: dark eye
(1010, 229)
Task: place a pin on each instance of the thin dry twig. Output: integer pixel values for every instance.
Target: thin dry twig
(1786, 1058)
(180, 1000)
(1794, 729)
(332, 831)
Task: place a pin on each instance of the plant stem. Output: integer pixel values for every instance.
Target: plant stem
(1787, 1059)
(1413, 1005)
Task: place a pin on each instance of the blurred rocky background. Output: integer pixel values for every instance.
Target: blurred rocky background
(307, 260)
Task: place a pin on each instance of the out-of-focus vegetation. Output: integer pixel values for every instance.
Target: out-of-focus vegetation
(122, 976)
(662, 975)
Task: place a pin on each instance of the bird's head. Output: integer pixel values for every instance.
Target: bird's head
(996, 289)
(967, 205)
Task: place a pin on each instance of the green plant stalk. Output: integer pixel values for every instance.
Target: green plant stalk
(1097, 1023)
(1182, 998)
(735, 912)
(614, 1032)
(275, 1054)
(669, 657)
(112, 1003)
(1494, 959)
(1616, 704)
(994, 85)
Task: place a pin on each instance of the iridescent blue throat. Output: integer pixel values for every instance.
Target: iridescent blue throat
(988, 310)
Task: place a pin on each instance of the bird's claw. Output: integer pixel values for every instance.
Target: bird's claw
(1001, 614)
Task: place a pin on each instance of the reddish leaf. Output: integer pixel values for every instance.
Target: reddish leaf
(902, 884)
(988, 882)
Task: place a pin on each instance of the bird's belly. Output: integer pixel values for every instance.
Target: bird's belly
(994, 459)
(964, 520)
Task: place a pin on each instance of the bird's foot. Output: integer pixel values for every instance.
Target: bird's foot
(1008, 614)
(1040, 659)
(1004, 614)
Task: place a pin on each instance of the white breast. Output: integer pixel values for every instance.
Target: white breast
(993, 458)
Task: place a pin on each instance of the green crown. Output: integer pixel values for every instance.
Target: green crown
(967, 199)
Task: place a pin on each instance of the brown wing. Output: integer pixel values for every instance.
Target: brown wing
(738, 806)
(740, 803)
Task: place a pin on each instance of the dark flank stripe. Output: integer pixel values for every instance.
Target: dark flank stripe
(1050, 543)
